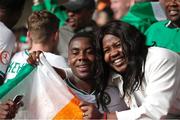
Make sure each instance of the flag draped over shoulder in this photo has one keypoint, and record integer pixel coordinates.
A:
(143, 14)
(46, 95)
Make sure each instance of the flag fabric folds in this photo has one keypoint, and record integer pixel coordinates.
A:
(46, 95)
(144, 14)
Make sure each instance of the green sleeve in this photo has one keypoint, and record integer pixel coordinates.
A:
(38, 7)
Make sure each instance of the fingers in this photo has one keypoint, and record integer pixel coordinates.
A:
(4, 109)
(86, 109)
(34, 57)
(90, 111)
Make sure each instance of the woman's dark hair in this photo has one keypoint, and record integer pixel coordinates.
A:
(98, 69)
(134, 49)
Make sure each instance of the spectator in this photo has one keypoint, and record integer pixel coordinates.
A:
(10, 12)
(121, 7)
(79, 19)
(166, 33)
(43, 32)
(85, 81)
(103, 16)
(148, 78)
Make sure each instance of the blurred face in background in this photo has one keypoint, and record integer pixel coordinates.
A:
(79, 18)
(172, 9)
(120, 7)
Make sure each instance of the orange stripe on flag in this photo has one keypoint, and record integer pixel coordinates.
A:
(70, 111)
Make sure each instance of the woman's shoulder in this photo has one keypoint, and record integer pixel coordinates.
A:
(161, 52)
(158, 55)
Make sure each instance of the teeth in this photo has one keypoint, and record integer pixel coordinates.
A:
(116, 61)
(172, 12)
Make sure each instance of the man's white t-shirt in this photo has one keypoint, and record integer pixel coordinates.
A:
(7, 42)
(20, 59)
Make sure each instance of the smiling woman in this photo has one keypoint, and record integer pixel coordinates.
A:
(147, 77)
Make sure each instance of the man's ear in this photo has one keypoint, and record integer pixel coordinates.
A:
(56, 36)
(28, 35)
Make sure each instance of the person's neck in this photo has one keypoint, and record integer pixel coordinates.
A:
(40, 47)
(85, 85)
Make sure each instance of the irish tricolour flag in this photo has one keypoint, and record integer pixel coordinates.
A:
(45, 93)
(143, 14)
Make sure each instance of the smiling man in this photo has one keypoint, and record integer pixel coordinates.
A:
(87, 82)
(79, 20)
(166, 34)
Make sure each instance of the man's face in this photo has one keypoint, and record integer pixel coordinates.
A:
(120, 7)
(172, 8)
(78, 19)
(81, 58)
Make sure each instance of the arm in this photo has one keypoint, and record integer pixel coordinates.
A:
(162, 80)
(33, 59)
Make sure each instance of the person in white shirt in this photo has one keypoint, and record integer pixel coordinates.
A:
(147, 77)
(43, 32)
(10, 12)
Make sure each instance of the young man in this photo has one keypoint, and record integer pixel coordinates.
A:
(10, 12)
(44, 35)
(85, 78)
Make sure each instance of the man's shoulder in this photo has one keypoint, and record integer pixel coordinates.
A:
(6, 34)
(20, 55)
(159, 24)
(4, 29)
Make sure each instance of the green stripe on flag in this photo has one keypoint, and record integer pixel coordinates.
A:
(143, 10)
(11, 83)
(140, 15)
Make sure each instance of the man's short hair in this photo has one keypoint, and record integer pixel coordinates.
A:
(41, 25)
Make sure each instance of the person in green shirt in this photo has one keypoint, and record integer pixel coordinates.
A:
(139, 14)
(166, 33)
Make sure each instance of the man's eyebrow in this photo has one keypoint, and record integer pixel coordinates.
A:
(74, 48)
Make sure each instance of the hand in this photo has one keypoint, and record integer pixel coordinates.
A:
(14, 109)
(90, 111)
(4, 109)
(9, 109)
(33, 58)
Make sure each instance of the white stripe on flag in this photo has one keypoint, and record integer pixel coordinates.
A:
(158, 11)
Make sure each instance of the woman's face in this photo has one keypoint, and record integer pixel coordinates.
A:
(113, 53)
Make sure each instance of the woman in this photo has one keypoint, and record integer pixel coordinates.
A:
(148, 78)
